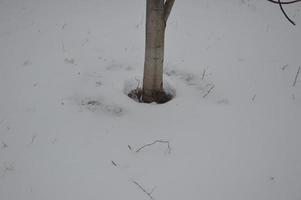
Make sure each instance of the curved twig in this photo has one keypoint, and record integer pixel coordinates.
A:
(291, 21)
(280, 3)
(284, 2)
(157, 141)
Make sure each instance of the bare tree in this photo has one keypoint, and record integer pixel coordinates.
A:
(157, 13)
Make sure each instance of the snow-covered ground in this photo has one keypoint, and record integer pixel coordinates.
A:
(69, 132)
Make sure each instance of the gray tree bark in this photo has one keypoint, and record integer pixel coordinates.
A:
(157, 13)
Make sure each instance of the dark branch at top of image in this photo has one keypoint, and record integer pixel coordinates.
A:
(280, 3)
(284, 2)
(286, 16)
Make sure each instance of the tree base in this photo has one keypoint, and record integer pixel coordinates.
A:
(158, 97)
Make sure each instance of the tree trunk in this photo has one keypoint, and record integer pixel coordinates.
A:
(157, 12)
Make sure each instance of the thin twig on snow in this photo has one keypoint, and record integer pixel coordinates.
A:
(296, 77)
(114, 163)
(149, 194)
(208, 92)
(157, 141)
(204, 73)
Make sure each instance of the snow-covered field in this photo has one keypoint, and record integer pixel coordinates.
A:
(68, 131)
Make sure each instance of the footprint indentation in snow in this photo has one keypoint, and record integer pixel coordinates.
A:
(114, 67)
(98, 105)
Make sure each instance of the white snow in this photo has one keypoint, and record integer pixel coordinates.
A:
(65, 120)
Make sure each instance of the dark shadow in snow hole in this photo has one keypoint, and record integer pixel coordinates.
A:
(162, 96)
(135, 93)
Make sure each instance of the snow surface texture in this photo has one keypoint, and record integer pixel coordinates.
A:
(69, 132)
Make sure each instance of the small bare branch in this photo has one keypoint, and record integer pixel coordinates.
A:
(204, 73)
(149, 194)
(157, 141)
(33, 139)
(208, 92)
(114, 163)
(167, 9)
(296, 77)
